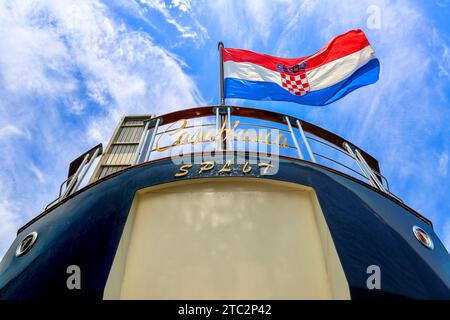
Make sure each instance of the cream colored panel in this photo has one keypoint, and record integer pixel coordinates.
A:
(226, 239)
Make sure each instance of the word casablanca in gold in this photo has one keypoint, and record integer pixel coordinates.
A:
(182, 136)
(225, 168)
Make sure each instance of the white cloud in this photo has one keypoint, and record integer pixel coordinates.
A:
(193, 30)
(68, 72)
(267, 23)
(183, 5)
(60, 59)
(400, 118)
(443, 164)
(9, 131)
(41, 176)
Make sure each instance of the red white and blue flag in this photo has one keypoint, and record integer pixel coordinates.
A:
(346, 63)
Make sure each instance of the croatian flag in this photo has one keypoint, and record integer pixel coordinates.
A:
(346, 63)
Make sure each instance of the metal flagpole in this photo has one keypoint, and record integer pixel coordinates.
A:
(222, 99)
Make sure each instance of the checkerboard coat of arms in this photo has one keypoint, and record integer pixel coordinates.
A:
(294, 79)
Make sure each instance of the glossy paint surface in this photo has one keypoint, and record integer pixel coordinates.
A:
(368, 228)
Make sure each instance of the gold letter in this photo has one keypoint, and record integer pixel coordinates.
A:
(183, 170)
(283, 144)
(239, 135)
(228, 132)
(266, 165)
(267, 138)
(198, 137)
(247, 168)
(206, 166)
(220, 133)
(226, 167)
(205, 136)
(247, 136)
(161, 149)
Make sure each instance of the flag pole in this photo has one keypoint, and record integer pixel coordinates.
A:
(222, 99)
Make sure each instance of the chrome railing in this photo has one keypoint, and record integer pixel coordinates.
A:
(301, 134)
(76, 178)
(226, 128)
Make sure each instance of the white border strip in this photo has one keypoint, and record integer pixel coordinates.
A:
(318, 78)
(338, 70)
(250, 71)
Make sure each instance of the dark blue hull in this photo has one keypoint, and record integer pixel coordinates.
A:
(367, 227)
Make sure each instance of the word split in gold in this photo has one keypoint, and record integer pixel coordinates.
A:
(225, 168)
(182, 136)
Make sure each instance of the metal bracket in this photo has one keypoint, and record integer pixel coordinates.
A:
(299, 151)
(152, 122)
(223, 110)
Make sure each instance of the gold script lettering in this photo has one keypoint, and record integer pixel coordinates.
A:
(265, 165)
(206, 166)
(284, 143)
(183, 136)
(183, 170)
(226, 167)
(247, 168)
(177, 142)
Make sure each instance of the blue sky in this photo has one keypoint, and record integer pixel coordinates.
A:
(70, 69)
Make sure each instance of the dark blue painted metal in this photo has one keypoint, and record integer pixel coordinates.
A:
(367, 228)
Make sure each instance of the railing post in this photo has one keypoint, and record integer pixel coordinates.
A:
(88, 166)
(305, 141)
(288, 121)
(369, 169)
(222, 97)
(218, 141)
(152, 139)
(352, 154)
(230, 133)
(141, 143)
(75, 176)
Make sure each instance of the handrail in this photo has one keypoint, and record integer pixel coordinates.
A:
(266, 115)
(74, 180)
(247, 124)
(299, 131)
(328, 145)
(341, 164)
(307, 131)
